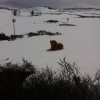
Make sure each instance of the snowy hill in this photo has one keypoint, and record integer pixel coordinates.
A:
(81, 42)
(40, 9)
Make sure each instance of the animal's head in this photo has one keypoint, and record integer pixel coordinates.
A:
(53, 42)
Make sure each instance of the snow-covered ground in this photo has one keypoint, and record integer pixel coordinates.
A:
(81, 42)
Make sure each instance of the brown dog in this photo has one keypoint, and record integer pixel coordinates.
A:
(55, 46)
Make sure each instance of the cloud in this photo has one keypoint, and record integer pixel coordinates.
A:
(51, 3)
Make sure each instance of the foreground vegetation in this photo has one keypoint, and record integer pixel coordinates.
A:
(25, 82)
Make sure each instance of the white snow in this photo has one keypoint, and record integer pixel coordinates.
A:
(81, 42)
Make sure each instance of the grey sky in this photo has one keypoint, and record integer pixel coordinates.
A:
(51, 3)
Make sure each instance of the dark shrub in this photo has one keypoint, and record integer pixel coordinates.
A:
(42, 32)
(14, 12)
(67, 25)
(52, 21)
(65, 84)
(4, 37)
(12, 77)
(13, 37)
(32, 13)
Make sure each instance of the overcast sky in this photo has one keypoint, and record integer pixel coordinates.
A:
(51, 3)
